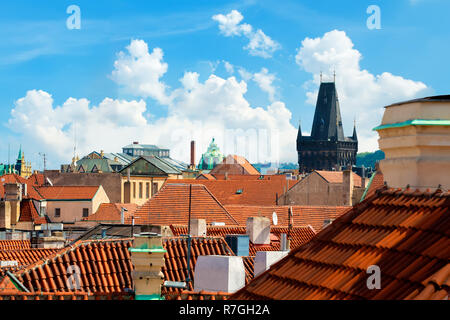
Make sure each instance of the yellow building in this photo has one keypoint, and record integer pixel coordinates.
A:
(143, 178)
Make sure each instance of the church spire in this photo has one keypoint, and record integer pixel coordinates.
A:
(355, 137)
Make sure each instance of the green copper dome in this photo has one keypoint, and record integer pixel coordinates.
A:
(211, 157)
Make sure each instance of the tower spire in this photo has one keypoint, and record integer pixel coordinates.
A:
(355, 137)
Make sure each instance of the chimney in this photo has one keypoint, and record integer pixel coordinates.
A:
(415, 137)
(193, 155)
(347, 182)
(147, 256)
(284, 245)
(264, 259)
(55, 241)
(239, 243)
(258, 230)
(198, 227)
(219, 273)
(122, 215)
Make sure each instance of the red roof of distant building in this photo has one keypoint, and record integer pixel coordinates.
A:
(377, 182)
(29, 213)
(68, 192)
(251, 192)
(338, 177)
(403, 232)
(171, 205)
(314, 216)
(112, 212)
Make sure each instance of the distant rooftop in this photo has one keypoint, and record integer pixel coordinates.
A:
(441, 98)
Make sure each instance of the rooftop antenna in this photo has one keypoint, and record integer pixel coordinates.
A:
(320, 76)
(334, 75)
(75, 140)
(189, 239)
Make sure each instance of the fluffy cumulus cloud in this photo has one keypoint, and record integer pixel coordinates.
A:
(259, 43)
(197, 110)
(265, 80)
(139, 72)
(362, 95)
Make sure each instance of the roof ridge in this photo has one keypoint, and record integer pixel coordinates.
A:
(226, 211)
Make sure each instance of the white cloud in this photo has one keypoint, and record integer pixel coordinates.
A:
(361, 94)
(229, 67)
(259, 43)
(139, 72)
(264, 79)
(196, 110)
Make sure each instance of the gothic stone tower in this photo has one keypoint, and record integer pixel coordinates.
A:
(326, 148)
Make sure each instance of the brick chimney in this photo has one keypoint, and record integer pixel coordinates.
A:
(147, 256)
(258, 229)
(348, 184)
(415, 137)
(193, 155)
(198, 227)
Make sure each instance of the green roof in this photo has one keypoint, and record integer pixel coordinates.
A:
(415, 122)
(211, 157)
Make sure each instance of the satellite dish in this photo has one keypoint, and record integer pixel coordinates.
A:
(274, 218)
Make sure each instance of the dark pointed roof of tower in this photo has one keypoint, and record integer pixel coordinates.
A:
(327, 122)
(354, 136)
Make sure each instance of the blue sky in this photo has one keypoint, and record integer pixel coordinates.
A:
(38, 52)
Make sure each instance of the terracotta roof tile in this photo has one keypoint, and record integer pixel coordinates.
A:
(298, 235)
(105, 265)
(404, 232)
(302, 215)
(234, 164)
(67, 192)
(191, 295)
(111, 212)
(171, 205)
(377, 182)
(338, 177)
(15, 244)
(25, 257)
(28, 213)
(250, 192)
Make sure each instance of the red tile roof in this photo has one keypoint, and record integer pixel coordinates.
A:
(404, 233)
(33, 181)
(111, 212)
(338, 177)
(25, 257)
(105, 265)
(29, 213)
(298, 235)
(68, 192)
(175, 268)
(15, 244)
(171, 205)
(376, 182)
(302, 215)
(235, 164)
(191, 295)
(250, 192)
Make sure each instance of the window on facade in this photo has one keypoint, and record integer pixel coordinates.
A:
(140, 190)
(134, 190)
(147, 190)
(154, 188)
(85, 212)
(57, 212)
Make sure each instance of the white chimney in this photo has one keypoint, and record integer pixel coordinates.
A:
(415, 137)
(258, 230)
(198, 227)
(347, 181)
(264, 259)
(219, 273)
